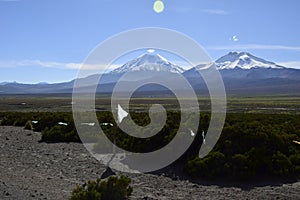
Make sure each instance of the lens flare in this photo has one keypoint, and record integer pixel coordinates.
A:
(158, 6)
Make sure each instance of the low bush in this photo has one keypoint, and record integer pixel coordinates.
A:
(7, 121)
(253, 146)
(114, 188)
(59, 133)
(250, 146)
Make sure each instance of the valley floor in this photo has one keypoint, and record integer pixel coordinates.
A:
(33, 170)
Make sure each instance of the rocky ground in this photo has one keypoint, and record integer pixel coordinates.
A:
(33, 170)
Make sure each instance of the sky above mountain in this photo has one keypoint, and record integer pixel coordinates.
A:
(48, 40)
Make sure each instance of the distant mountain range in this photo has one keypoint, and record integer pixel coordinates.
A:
(242, 73)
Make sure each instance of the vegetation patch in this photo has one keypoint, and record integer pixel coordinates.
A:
(114, 188)
(251, 146)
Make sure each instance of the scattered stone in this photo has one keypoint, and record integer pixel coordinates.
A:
(69, 164)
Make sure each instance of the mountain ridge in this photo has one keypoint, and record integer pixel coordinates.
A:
(244, 60)
(149, 62)
(241, 72)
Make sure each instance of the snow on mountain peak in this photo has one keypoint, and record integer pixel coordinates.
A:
(244, 60)
(233, 60)
(149, 62)
(162, 58)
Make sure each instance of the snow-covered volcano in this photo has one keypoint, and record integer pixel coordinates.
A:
(244, 60)
(151, 63)
(242, 73)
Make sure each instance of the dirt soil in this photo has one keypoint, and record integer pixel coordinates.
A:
(33, 170)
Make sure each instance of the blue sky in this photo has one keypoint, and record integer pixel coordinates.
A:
(46, 40)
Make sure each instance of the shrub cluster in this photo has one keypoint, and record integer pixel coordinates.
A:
(114, 188)
(252, 146)
(47, 124)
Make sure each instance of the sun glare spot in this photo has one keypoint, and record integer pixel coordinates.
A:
(158, 6)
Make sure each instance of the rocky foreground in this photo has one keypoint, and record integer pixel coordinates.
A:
(33, 170)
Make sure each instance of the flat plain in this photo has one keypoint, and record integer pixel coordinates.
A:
(235, 104)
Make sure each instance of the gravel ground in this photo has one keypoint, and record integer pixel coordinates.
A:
(33, 170)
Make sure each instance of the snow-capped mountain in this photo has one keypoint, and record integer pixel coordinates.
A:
(244, 60)
(242, 73)
(149, 62)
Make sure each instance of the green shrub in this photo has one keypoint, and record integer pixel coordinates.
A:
(51, 119)
(240, 167)
(250, 146)
(210, 166)
(255, 146)
(15, 118)
(20, 122)
(7, 121)
(89, 191)
(113, 188)
(59, 133)
(282, 166)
